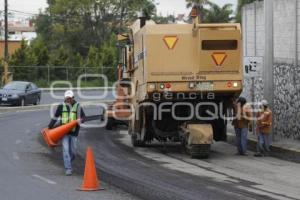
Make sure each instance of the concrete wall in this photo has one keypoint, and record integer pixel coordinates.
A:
(286, 61)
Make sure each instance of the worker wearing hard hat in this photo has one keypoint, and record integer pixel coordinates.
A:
(264, 128)
(68, 111)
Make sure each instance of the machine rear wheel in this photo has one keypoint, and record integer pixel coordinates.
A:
(136, 142)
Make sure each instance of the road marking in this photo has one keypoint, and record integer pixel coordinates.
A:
(44, 179)
(16, 156)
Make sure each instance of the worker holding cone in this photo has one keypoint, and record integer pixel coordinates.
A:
(67, 112)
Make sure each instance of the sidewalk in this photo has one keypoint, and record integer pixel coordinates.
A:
(282, 148)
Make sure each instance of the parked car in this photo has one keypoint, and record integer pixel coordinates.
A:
(20, 93)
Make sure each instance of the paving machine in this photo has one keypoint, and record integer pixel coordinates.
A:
(177, 82)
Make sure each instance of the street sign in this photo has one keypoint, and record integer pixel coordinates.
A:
(253, 66)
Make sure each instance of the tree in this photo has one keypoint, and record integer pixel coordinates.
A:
(164, 20)
(22, 57)
(80, 24)
(200, 5)
(40, 52)
(240, 5)
(149, 9)
(217, 14)
(109, 57)
(80, 33)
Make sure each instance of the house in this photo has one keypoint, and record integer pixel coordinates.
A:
(12, 47)
(19, 30)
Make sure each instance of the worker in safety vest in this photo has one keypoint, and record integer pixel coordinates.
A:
(68, 111)
(264, 128)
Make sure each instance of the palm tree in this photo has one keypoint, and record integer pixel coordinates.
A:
(217, 14)
(149, 9)
(199, 4)
(241, 3)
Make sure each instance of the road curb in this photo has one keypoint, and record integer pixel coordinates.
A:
(278, 151)
(23, 109)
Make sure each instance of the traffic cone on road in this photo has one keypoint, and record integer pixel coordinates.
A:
(53, 136)
(90, 179)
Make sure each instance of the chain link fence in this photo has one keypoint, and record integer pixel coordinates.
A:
(44, 76)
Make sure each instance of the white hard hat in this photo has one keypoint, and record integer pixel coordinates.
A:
(264, 102)
(69, 94)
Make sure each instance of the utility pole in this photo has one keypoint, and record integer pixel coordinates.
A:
(6, 72)
(268, 72)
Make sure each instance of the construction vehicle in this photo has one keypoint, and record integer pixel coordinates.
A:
(181, 80)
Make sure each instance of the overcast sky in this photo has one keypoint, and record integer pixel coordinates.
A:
(164, 6)
(179, 6)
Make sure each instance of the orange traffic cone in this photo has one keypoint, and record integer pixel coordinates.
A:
(53, 136)
(90, 180)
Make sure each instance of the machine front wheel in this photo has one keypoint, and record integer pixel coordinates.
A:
(110, 123)
(199, 150)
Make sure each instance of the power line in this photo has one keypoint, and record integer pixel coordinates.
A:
(26, 13)
(20, 12)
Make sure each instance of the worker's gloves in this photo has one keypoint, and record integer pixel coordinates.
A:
(82, 120)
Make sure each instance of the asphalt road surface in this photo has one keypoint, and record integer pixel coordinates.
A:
(84, 95)
(56, 97)
(29, 170)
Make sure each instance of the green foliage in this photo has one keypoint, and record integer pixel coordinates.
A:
(210, 12)
(80, 24)
(164, 20)
(78, 33)
(217, 14)
(22, 57)
(200, 5)
(240, 5)
(40, 52)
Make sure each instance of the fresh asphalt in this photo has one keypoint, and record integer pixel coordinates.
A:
(30, 170)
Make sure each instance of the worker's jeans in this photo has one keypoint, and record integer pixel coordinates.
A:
(263, 143)
(69, 144)
(241, 140)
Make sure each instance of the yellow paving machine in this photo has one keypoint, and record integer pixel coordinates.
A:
(177, 82)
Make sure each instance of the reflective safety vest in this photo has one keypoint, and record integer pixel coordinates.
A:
(69, 116)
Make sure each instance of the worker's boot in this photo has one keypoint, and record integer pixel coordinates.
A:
(258, 154)
(68, 172)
